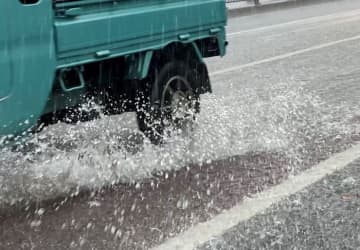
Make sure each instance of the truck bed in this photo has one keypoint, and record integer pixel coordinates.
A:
(86, 29)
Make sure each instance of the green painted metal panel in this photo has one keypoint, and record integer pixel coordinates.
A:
(130, 26)
(27, 61)
(5, 58)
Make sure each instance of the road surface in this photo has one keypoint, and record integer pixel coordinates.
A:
(286, 97)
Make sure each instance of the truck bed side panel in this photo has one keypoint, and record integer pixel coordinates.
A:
(131, 26)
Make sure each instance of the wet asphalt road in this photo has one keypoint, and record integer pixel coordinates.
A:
(324, 216)
(289, 110)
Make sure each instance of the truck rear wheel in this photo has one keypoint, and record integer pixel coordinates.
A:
(171, 102)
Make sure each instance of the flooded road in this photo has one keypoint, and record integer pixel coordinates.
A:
(285, 98)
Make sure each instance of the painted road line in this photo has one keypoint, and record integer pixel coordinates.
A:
(316, 27)
(300, 21)
(203, 232)
(286, 55)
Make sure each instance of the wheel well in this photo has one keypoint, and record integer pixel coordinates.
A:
(176, 51)
(189, 54)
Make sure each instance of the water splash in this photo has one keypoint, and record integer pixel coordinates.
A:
(65, 158)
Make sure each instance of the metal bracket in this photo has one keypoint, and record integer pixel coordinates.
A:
(76, 87)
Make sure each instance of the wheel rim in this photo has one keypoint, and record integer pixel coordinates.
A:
(177, 102)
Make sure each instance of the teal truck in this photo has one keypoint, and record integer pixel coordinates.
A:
(144, 56)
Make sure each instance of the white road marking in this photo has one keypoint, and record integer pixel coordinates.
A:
(217, 226)
(286, 55)
(300, 21)
(316, 26)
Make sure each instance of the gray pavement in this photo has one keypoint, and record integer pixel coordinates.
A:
(324, 216)
(250, 7)
(270, 117)
(233, 4)
(283, 15)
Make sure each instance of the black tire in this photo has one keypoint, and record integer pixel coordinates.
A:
(169, 99)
